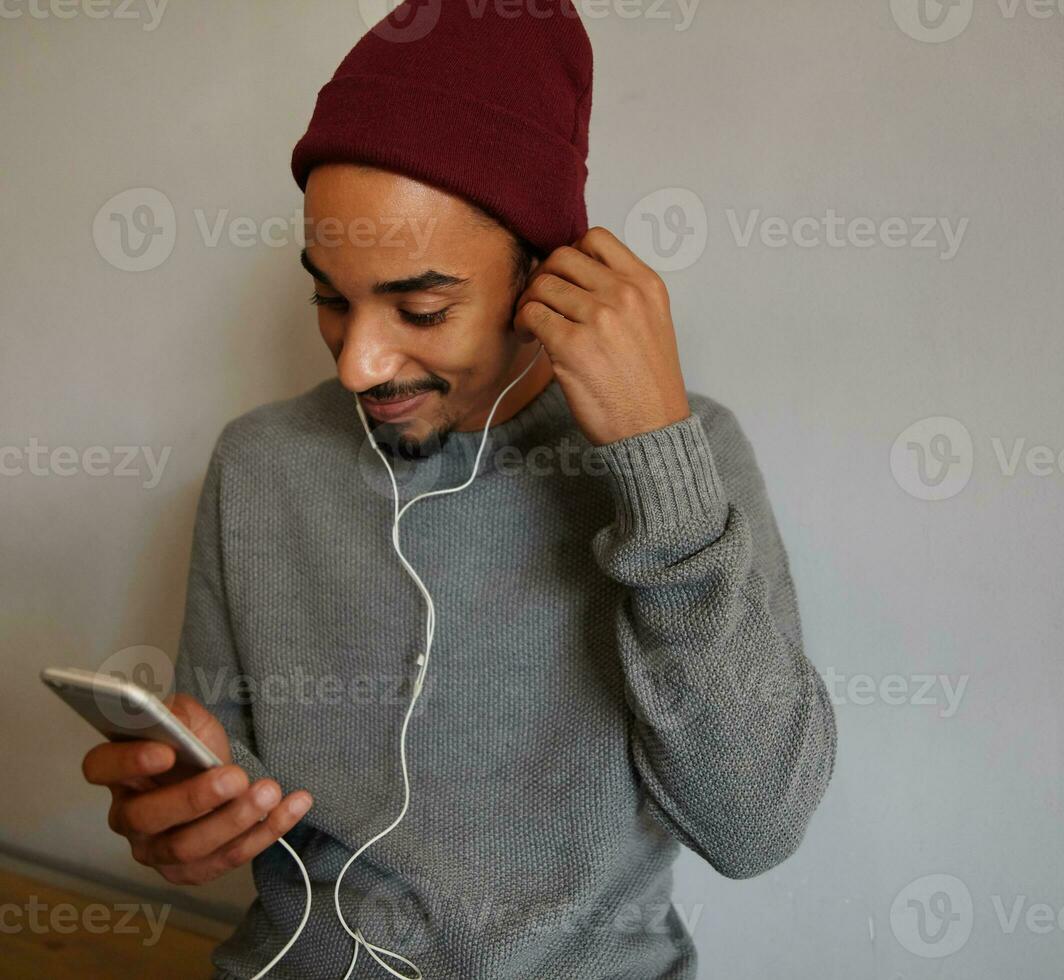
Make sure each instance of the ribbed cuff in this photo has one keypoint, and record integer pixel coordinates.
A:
(665, 478)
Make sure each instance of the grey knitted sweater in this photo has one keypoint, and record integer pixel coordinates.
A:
(617, 669)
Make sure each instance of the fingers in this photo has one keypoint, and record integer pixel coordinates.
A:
(559, 294)
(280, 820)
(549, 328)
(112, 763)
(577, 267)
(160, 809)
(601, 244)
(204, 836)
(237, 852)
(191, 828)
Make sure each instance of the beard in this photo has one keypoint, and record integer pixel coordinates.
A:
(396, 442)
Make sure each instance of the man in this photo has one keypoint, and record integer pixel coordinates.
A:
(617, 667)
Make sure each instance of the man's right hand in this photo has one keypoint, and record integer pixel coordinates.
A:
(190, 825)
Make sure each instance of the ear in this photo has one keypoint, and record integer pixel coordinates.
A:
(523, 335)
(528, 275)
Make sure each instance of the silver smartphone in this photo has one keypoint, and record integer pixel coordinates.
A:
(122, 710)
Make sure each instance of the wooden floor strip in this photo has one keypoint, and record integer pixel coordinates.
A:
(53, 933)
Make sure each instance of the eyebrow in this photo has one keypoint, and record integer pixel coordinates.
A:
(429, 279)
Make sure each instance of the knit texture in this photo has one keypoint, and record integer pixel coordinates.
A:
(489, 100)
(617, 669)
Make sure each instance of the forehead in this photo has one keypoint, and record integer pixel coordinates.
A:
(348, 191)
(373, 223)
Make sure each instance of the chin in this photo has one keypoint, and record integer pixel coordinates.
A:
(411, 438)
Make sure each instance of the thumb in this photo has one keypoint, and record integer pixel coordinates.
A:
(205, 726)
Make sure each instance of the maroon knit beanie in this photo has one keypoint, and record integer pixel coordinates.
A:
(487, 99)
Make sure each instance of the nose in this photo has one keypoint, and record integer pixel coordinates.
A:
(370, 354)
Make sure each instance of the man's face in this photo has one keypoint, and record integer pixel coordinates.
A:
(415, 297)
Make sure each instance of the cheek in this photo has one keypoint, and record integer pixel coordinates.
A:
(485, 331)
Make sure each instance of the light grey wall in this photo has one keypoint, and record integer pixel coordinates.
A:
(844, 362)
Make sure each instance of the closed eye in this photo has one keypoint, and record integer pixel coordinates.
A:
(333, 302)
(418, 319)
(425, 319)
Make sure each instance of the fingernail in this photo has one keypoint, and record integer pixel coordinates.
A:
(266, 795)
(299, 806)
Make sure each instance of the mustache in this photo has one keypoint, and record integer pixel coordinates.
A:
(391, 394)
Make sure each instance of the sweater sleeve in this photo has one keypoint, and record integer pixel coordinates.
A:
(208, 665)
(732, 730)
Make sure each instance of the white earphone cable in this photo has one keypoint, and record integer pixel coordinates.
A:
(423, 661)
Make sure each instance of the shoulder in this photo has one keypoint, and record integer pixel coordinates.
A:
(279, 429)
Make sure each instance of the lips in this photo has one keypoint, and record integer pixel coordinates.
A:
(389, 411)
